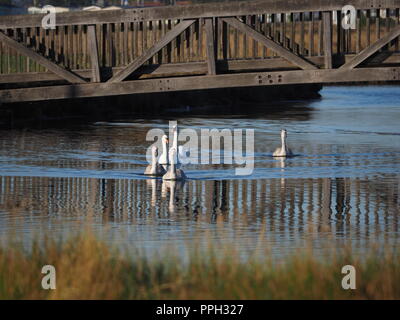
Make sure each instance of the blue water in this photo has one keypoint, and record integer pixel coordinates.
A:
(342, 187)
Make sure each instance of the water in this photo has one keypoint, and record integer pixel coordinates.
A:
(342, 188)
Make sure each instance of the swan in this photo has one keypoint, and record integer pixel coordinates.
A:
(155, 169)
(174, 174)
(284, 151)
(175, 146)
(164, 156)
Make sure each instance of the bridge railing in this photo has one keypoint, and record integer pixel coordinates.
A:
(123, 36)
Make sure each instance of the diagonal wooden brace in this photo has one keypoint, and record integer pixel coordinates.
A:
(51, 66)
(369, 51)
(269, 43)
(134, 65)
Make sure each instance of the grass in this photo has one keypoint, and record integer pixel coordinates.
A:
(89, 269)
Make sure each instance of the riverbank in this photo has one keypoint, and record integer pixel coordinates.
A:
(86, 268)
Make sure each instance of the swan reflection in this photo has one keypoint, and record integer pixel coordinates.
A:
(173, 187)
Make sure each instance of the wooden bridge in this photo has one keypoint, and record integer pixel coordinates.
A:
(197, 47)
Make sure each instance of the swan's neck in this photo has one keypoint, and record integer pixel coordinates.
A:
(165, 147)
(284, 145)
(154, 161)
(175, 145)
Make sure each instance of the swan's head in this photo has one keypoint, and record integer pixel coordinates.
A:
(284, 134)
(175, 128)
(165, 139)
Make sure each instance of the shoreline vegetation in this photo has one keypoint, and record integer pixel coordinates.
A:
(87, 268)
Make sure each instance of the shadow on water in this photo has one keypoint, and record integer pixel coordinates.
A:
(236, 102)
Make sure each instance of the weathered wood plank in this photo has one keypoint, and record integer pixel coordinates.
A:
(210, 46)
(339, 31)
(283, 52)
(67, 75)
(358, 31)
(222, 9)
(369, 51)
(320, 34)
(200, 83)
(327, 22)
(94, 53)
(292, 32)
(151, 51)
(196, 68)
(311, 34)
(368, 27)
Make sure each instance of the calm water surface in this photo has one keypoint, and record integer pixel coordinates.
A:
(343, 188)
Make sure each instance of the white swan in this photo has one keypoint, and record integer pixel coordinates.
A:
(164, 156)
(284, 151)
(174, 174)
(175, 146)
(154, 169)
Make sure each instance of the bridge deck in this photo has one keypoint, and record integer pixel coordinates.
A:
(257, 43)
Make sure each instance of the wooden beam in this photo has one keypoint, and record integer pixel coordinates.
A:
(198, 68)
(369, 51)
(219, 9)
(283, 52)
(33, 77)
(327, 23)
(63, 73)
(94, 53)
(171, 35)
(200, 83)
(210, 47)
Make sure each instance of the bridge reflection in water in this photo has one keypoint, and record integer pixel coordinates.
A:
(264, 211)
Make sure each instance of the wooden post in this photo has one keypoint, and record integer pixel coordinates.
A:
(94, 54)
(311, 34)
(358, 39)
(327, 17)
(301, 34)
(368, 27)
(210, 47)
(320, 35)
(292, 32)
